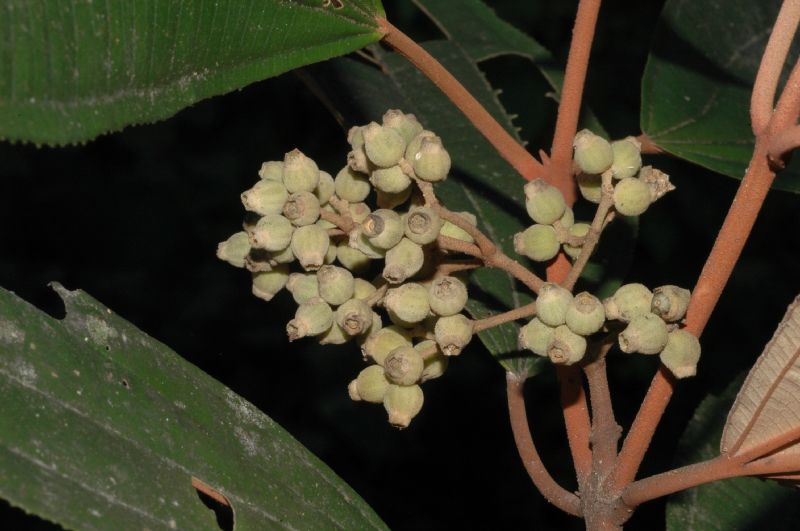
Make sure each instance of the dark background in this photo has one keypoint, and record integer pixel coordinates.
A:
(134, 218)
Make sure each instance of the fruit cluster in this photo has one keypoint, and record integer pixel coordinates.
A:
(300, 217)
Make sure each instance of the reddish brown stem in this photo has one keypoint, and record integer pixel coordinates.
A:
(522, 312)
(552, 491)
(784, 142)
(576, 418)
(505, 144)
(787, 110)
(605, 430)
(569, 108)
(648, 146)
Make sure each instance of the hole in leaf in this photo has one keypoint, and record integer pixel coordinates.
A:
(217, 502)
(125, 384)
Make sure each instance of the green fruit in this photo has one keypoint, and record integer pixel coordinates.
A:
(351, 185)
(310, 245)
(567, 220)
(585, 314)
(354, 317)
(552, 304)
(384, 146)
(266, 284)
(336, 284)
(383, 228)
(645, 334)
(590, 187)
(403, 261)
(681, 353)
(381, 342)
(566, 347)
(405, 124)
(422, 225)
(403, 403)
(272, 171)
(631, 196)
(330, 256)
(414, 145)
(303, 286)
(593, 154)
(352, 259)
(454, 231)
(629, 301)
(391, 180)
(435, 364)
(325, 187)
(272, 233)
(265, 197)
(333, 336)
(355, 136)
(670, 302)
(432, 161)
(358, 211)
(363, 289)
(403, 366)
(370, 386)
(627, 157)
(578, 230)
(407, 304)
(312, 318)
(300, 173)
(545, 203)
(358, 240)
(536, 337)
(235, 249)
(453, 333)
(285, 256)
(301, 208)
(387, 200)
(537, 242)
(447, 296)
(357, 160)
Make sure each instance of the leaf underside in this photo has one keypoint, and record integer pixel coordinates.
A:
(73, 70)
(768, 404)
(104, 428)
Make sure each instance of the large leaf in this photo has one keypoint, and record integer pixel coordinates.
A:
(105, 428)
(731, 504)
(768, 404)
(697, 83)
(72, 70)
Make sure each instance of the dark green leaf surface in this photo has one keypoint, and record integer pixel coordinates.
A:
(104, 428)
(732, 504)
(72, 70)
(697, 83)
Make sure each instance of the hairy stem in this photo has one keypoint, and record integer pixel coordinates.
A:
(529, 310)
(552, 491)
(787, 110)
(576, 418)
(605, 430)
(505, 144)
(784, 142)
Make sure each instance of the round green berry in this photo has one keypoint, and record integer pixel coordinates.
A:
(593, 154)
(537, 242)
(631, 196)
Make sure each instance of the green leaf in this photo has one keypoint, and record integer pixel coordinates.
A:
(731, 504)
(104, 428)
(72, 70)
(697, 83)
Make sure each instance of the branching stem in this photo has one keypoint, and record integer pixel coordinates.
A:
(529, 310)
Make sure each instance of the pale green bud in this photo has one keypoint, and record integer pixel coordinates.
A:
(405, 124)
(390, 180)
(383, 228)
(415, 144)
(312, 318)
(300, 173)
(567, 347)
(381, 342)
(330, 256)
(334, 336)
(266, 284)
(585, 314)
(325, 187)
(336, 284)
(590, 187)
(303, 286)
(552, 304)
(422, 225)
(447, 296)
(407, 304)
(432, 161)
(357, 160)
(403, 403)
(351, 186)
(567, 220)
(403, 366)
(645, 334)
(301, 208)
(387, 200)
(354, 316)
(629, 301)
(265, 197)
(310, 245)
(593, 154)
(454, 231)
(435, 364)
(681, 353)
(358, 240)
(363, 289)
(545, 203)
(358, 211)
(383, 145)
(235, 249)
(355, 136)
(627, 157)
(537, 242)
(579, 230)
(271, 171)
(403, 261)
(352, 259)
(272, 233)
(670, 302)
(453, 333)
(631, 196)
(370, 386)
(286, 256)
(536, 337)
